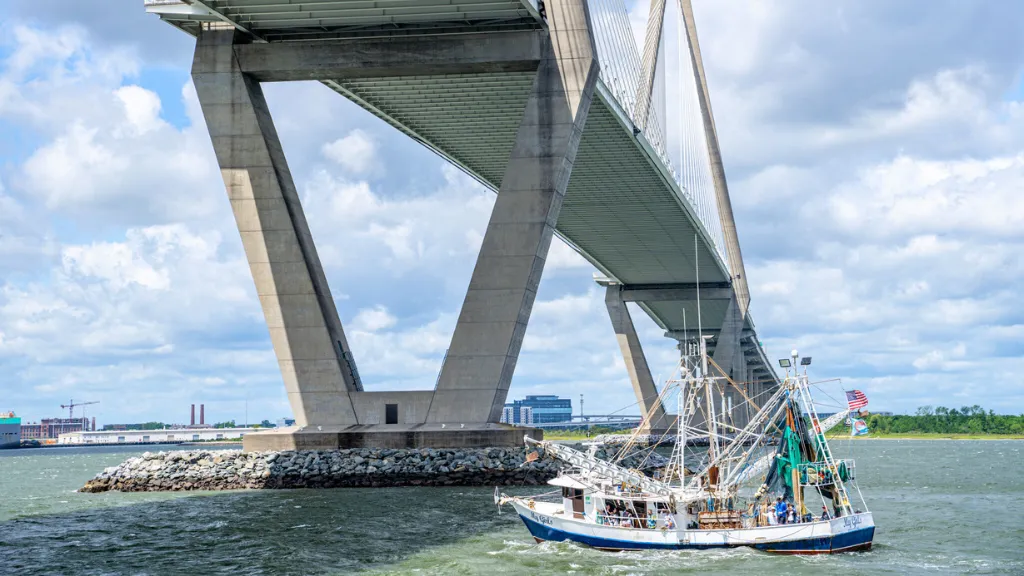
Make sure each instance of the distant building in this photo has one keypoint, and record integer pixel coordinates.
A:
(506, 415)
(541, 410)
(285, 422)
(525, 415)
(54, 427)
(10, 430)
(169, 435)
(140, 426)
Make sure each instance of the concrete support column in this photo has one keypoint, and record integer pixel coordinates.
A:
(474, 380)
(636, 363)
(722, 200)
(748, 389)
(728, 349)
(739, 414)
(315, 360)
(649, 64)
(739, 411)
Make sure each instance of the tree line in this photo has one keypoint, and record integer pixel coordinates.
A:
(942, 420)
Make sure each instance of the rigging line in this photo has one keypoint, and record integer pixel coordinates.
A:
(727, 378)
(772, 418)
(659, 401)
(648, 397)
(763, 415)
(830, 396)
(651, 450)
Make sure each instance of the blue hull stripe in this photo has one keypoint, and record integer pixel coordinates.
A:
(847, 541)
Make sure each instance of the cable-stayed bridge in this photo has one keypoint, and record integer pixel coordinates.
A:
(581, 132)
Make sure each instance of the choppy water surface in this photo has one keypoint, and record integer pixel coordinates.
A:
(941, 507)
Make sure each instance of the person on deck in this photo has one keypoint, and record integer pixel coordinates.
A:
(613, 515)
(824, 513)
(780, 511)
(627, 518)
(652, 519)
(791, 511)
(635, 518)
(667, 521)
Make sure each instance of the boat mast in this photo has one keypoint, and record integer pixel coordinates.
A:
(710, 421)
(681, 430)
(804, 395)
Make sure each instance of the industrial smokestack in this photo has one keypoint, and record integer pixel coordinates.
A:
(202, 413)
(93, 423)
(193, 422)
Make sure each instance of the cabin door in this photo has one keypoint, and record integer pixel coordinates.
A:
(577, 504)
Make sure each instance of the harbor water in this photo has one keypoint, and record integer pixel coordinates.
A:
(941, 507)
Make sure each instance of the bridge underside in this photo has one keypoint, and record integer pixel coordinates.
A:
(620, 212)
(513, 99)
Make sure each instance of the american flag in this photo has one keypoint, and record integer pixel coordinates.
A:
(856, 399)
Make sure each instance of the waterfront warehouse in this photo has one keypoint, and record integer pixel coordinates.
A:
(10, 430)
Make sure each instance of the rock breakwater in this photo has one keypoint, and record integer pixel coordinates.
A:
(233, 470)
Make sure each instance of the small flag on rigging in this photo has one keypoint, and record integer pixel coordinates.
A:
(856, 399)
(859, 428)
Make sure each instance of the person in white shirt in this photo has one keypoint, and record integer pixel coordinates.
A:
(667, 521)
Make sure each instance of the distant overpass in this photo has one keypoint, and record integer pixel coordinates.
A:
(605, 421)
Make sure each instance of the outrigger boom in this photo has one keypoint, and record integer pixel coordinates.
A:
(751, 487)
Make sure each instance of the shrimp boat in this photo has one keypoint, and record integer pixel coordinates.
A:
(740, 492)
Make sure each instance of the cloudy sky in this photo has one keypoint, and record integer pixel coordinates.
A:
(875, 152)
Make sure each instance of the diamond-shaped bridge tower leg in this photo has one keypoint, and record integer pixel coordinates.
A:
(475, 378)
(309, 341)
(331, 408)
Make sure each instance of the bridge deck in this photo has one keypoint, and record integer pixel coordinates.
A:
(279, 20)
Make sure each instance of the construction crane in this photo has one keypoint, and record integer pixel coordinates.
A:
(71, 411)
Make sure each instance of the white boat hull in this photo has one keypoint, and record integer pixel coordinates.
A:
(547, 521)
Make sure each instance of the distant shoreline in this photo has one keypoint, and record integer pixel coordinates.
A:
(236, 442)
(870, 436)
(922, 436)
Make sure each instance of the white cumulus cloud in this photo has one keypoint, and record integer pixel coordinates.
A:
(356, 152)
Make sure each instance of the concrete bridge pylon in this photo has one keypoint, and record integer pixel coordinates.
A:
(331, 406)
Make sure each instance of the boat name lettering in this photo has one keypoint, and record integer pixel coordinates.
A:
(851, 521)
(541, 519)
